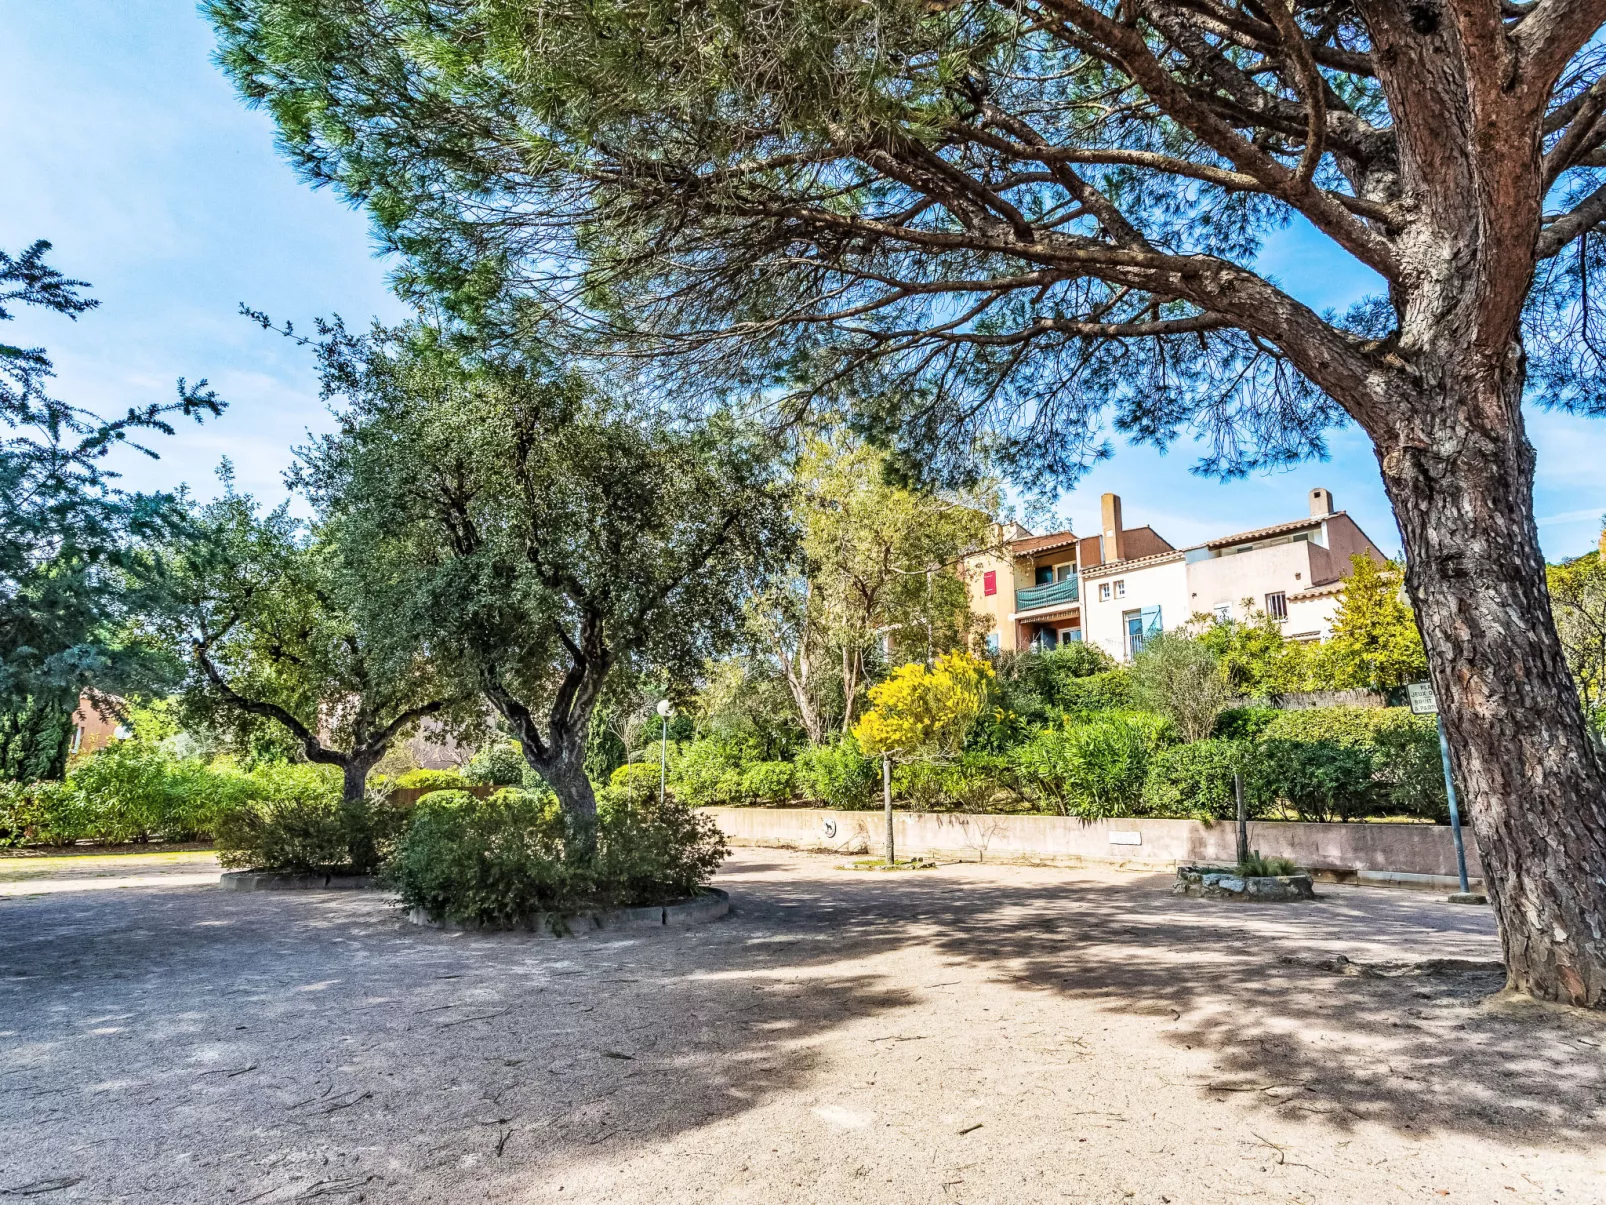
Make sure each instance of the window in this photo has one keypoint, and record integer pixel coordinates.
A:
(992, 643)
(1140, 627)
(1061, 572)
(1104, 591)
(1120, 589)
(1277, 606)
(1224, 613)
(1068, 635)
(989, 582)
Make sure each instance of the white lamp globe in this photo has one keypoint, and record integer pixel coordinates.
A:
(664, 708)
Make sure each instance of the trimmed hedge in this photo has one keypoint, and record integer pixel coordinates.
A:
(1196, 780)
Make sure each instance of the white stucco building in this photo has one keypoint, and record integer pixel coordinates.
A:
(1116, 588)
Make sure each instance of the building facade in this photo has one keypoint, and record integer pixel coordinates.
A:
(1125, 584)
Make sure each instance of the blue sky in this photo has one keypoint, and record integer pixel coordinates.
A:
(124, 146)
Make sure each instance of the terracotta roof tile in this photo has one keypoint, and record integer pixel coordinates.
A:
(1046, 543)
(1275, 529)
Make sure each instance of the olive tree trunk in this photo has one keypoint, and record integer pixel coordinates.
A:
(1460, 476)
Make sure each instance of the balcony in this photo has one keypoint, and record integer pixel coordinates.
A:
(1053, 594)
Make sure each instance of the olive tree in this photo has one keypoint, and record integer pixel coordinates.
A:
(1026, 218)
(557, 535)
(297, 629)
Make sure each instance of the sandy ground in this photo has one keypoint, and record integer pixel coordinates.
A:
(970, 1034)
(32, 874)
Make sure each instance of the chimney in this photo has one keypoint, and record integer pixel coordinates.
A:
(1321, 503)
(1110, 528)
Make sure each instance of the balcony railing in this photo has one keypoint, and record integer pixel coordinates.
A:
(1052, 594)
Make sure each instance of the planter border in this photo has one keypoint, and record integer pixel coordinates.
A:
(1225, 883)
(270, 880)
(711, 905)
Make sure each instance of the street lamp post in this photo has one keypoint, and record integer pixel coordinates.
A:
(663, 750)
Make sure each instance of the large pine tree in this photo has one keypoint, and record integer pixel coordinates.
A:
(1026, 218)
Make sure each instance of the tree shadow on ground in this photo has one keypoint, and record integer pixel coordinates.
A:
(268, 1036)
(317, 1044)
(1296, 1027)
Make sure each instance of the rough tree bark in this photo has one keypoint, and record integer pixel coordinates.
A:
(1462, 492)
(557, 750)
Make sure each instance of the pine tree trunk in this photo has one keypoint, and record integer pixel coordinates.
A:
(1459, 470)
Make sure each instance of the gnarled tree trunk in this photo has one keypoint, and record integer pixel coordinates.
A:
(1460, 476)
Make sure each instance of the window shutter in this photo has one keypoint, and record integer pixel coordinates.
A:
(1151, 621)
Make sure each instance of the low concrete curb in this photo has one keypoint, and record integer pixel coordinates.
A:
(1221, 883)
(709, 906)
(263, 880)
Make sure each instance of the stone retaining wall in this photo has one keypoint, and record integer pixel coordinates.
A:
(1414, 855)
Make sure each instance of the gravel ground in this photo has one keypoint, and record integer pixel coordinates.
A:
(31, 874)
(969, 1034)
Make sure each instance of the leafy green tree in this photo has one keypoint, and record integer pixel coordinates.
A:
(299, 629)
(553, 536)
(880, 560)
(1181, 678)
(1255, 658)
(34, 741)
(66, 530)
(1003, 223)
(1375, 642)
(1578, 597)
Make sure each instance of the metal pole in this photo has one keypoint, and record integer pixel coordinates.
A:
(886, 794)
(1455, 812)
(1243, 817)
(663, 763)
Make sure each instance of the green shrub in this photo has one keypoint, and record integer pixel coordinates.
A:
(1408, 769)
(1244, 723)
(434, 780)
(1196, 780)
(1093, 769)
(838, 776)
(767, 783)
(704, 773)
(1407, 774)
(1107, 691)
(289, 818)
(648, 854)
(40, 813)
(134, 790)
(968, 785)
(499, 765)
(1317, 780)
(506, 859)
(636, 782)
(1031, 690)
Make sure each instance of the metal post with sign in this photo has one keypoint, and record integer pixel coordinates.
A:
(1424, 702)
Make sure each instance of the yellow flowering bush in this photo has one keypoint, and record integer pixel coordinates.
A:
(921, 711)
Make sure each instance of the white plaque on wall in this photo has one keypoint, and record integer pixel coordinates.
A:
(1120, 838)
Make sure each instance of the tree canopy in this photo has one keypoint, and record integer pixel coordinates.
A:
(293, 627)
(66, 529)
(555, 534)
